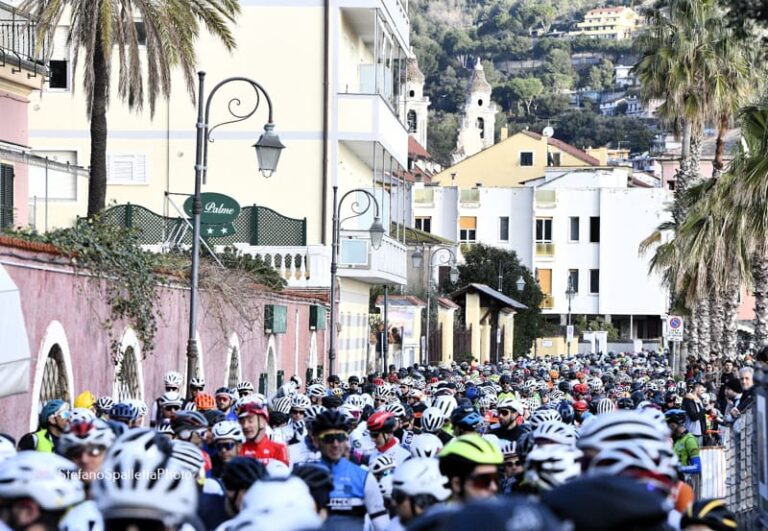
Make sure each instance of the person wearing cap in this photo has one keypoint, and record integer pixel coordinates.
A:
(354, 386)
(254, 419)
(53, 421)
(685, 444)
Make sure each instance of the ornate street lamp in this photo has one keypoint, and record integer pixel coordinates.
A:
(417, 259)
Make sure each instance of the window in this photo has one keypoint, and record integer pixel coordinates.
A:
(544, 230)
(411, 121)
(504, 229)
(594, 281)
(573, 233)
(573, 279)
(424, 223)
(58, 65)
(6, 196)
(467, 229)
(594, 230)
(62, 182)
(412, 93)
(481, 126)
(141, 32)
(526, 158)
(59, 70)
(127, 169)
(553, 159)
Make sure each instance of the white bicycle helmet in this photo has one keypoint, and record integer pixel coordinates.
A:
(446, 404)
(426, 445)
(173, 379)
(396, 408)
(7, 448)
(385, 487)
(356, 401)
(432, 420)
(244, 387)
(188, 456)
(282, 404)
(540, 416)
(141, 407)
(511, 403)
(278, 497)
(80, 414)
(317, 391)
(171, 398)
(104, 404)
(141, 480)
(382, 392)
(605, 405)
(554, 432)
(300, 402)
(552, 465)
(82, 517)
(198, 383)
(418, 476)
(613, 430)
(81, 433)
(637, 459)
(49, 479)
(312, 411)
(226, 430)
(381, 464)
(507, 448)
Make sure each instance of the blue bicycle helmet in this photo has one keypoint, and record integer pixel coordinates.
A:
(123, 412)
(567, 414)
(50, 408)
(465, 418)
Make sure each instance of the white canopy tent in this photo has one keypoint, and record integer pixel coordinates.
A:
(14, 344)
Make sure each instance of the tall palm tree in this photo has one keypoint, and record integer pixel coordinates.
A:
(97, 27)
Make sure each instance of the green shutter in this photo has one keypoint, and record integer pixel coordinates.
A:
(320, 372)
(6, 196)
(275, 319)
(280, 378)
(307, 377)
(263, 383)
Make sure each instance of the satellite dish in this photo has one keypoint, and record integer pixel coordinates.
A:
(548, 132)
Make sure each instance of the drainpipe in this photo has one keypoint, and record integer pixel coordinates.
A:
(326, 111)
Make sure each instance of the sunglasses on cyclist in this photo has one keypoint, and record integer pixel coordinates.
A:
(505, 412)
(93, 451)
(399, 496)
(172, 408)
(297, 412)
(483, 481)
(226, 445)
(330, 438)
(185, 435)
(512, 463)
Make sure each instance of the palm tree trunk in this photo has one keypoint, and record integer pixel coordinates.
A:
(716, 322)
(730, 326)
(718, 164)
(97, 184)
(693, 334)
(703, 324)
(760, 278)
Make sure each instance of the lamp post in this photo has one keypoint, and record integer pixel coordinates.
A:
(569, 293)
(268, 148)
(417, 259)
(376, 232)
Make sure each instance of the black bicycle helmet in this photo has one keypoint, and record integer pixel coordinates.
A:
(626, 403)
(329, 420)
(712, 513)
(188, 420)
(239, 473)
(466, 417)
(214, 416)
(567, 414)
(318, 479)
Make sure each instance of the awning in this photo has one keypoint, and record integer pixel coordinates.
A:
(14, 345)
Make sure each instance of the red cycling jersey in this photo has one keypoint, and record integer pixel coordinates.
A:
(265, 450)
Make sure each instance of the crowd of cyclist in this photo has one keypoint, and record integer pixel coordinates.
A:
(580, 443)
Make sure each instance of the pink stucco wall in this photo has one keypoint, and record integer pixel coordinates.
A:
(50, 292)
(669, 168)
(14, 128)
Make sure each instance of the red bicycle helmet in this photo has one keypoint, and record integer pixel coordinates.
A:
(581, 388)
(382, 421)
(580, 406)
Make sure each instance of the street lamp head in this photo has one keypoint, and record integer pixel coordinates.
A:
(377, 232)
(417, 258)
(454, 274)
(268, 148)
(520, 283)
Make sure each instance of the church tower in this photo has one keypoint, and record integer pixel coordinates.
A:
(478, 118)
(416, 103)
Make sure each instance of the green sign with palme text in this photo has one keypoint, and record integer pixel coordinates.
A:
(218, 209)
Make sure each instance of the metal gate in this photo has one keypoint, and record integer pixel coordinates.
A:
(436, 346)
(462, 342)
(127, 377)
(54, 383)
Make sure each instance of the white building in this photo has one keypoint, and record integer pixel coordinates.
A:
(580, 224)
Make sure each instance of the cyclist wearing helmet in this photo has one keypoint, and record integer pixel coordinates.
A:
(196, 386)
(355, 492)
(685, 444)
(53, 421)
(85, 400)
(465, 419)
(320, 484)
(381, 427)
(254, 419)
(172, 382)
(168, 405)
(513, 471)
(244, 388)
(509, 410)
(225, 402)
(471, 465)
(103, 406)
(416, 485)
(708, 515)
(228, 439)
(85, 444)
(36, 489)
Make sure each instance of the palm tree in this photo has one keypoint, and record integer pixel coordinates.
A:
(98, 26)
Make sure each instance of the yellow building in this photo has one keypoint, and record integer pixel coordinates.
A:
(614, 23)
(512, 161)
(335, 73)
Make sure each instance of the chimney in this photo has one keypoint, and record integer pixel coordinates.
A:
(504, 133)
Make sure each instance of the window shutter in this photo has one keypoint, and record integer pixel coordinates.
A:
(126, 169)
(6, 196)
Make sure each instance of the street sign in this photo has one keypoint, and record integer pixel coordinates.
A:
(569, 333)
(675, 328)
(218, 209)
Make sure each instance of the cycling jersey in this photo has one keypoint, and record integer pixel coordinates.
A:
(393, 449)
(265, 450)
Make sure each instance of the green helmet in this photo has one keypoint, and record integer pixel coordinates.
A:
(474, 449)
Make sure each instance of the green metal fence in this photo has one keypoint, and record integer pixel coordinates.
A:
(256, 225)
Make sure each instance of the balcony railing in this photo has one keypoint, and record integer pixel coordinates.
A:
(424, 196)
(301, 267)
(548, 302)
(357, 259)
(545, 250)
(17, 37)
(469, 197)
(545, 198)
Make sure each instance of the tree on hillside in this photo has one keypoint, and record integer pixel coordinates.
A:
(97, 27)
(481, 265)
(441, 135)
(525, 91)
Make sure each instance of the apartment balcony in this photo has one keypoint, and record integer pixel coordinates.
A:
(19, 62)
(545, 198)
(367, 118)
(548, 302)
(358, 260)
(393, 12)
(424, 197)
(469, 197)
(545, 250)
(306, 266)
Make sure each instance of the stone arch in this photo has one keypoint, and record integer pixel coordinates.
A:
(270, 366)
(128, 380)
(54, 368)
(234, 368)
(412, 121)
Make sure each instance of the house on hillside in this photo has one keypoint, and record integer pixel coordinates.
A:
(613, 23)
